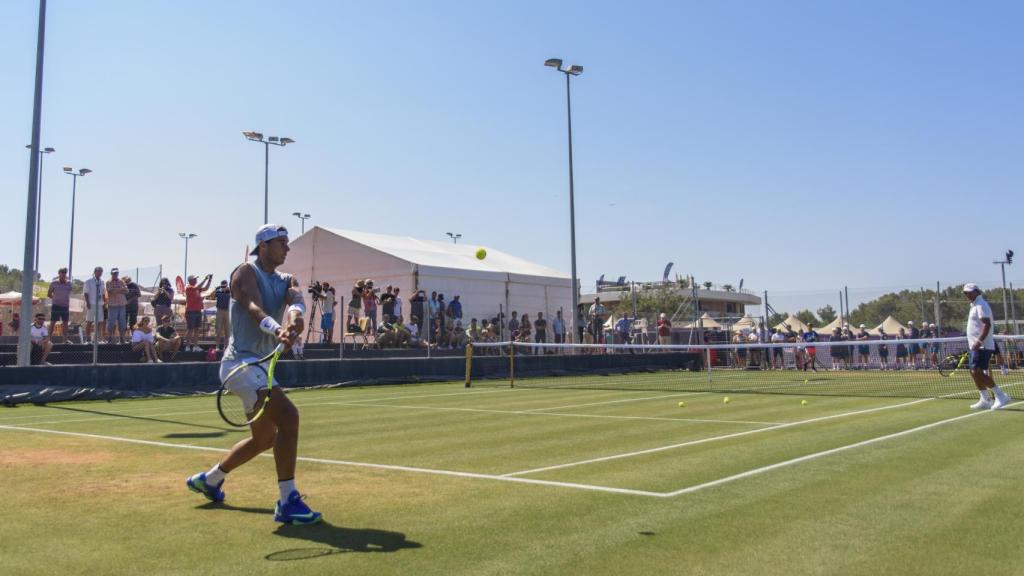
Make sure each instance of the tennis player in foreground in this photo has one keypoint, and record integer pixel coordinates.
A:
(982, 346)
(259, 298)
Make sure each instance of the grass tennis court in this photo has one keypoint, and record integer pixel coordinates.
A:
(440, 479)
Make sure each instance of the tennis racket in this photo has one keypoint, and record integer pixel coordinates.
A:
(231, 406)
(950, 364)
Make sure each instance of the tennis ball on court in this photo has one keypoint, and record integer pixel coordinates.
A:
(681, 404)
(481, 254)
(725, 400)
(803, 402)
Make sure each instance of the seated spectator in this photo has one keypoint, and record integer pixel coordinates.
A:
(387, 337)
(167, 338)
(457, 337)
(412, 328)
(473, 332)
(41, 344)
(144, 340)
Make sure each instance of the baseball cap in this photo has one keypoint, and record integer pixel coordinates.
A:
(266, 233)
(114, 270)
(971, 287)
(862, 326)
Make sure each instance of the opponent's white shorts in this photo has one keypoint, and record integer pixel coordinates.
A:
(248, 383)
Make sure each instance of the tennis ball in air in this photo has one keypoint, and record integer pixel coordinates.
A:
(681, 404)
(481, 254)
(803, 402)
(725, 400)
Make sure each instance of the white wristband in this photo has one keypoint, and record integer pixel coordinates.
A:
(298, 306)
(269, 325)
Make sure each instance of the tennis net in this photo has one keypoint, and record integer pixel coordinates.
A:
(901, 368)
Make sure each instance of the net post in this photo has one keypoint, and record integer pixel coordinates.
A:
(511, 364)
(469, 363)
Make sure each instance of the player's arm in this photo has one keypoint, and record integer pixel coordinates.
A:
(246, 292)
(49, 291)
(986, 327)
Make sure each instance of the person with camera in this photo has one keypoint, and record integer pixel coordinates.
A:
(194, 310)
(370, 301)
(355, 302)
(327, 304)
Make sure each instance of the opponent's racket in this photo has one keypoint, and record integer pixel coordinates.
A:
(950, 364)
(231, 406)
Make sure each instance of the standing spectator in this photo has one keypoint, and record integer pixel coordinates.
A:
(664, 329)
(622, 328)
(597, 315)
(513, 326)
(741, 350)
(525, 328)
(442, 313)
(915, 348)
(15, 323)
(883, 349)
(167, 338)
(540, 328)
(95, 298)
(370, 301)
(416, 310)
(558, 328)
(778, 356)
(355, 302)
(398, 305)
(432, 307)
(59, 294)
(194, 310)
(901, 350)
(810, 337)
(222, 295)
(327, 305)
(143, 339)
(863, 349)
(455, 308)
(387, 301)
(131, 308)
(117, 304)
(41, 345)
(838, 352)
(162, 300)
(936, 346)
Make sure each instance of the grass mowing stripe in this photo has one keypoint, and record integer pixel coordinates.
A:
(395, 467)
(714, 438)
(618, 401)
(533, 413)
(808, 457)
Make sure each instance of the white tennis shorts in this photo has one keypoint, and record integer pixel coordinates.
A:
(246, 384)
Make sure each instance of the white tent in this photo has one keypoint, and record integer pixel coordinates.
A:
(891, 325)
(498, 282)
(705, 321)
(745, 324)
(792, 322)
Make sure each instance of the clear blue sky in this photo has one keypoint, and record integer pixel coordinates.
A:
(799, 145)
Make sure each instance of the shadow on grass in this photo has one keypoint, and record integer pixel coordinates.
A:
(195, 434)
(338, 540)
(230, 508)
(144, 418)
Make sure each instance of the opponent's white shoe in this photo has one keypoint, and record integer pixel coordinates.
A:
(1001, 401)
(981, 405)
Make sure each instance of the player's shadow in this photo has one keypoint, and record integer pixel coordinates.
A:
(143, 418)
(229, 507)
(338, 540)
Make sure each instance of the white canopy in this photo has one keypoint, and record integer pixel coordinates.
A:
(705, 321)
(744, 324)
(891, 326)
(791, 322)
(498, 282)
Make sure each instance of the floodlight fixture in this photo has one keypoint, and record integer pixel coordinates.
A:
(553, 62)
(575, 70)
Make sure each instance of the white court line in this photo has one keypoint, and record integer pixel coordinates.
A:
(814, 456)
(394, 467)
(618, 401)
(714, 438)
(531, 413)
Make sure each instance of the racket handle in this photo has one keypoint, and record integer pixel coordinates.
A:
(280, 347)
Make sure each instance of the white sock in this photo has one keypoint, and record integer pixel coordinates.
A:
(998, 391)
(215, 476)
(286, 487)
(984, 395)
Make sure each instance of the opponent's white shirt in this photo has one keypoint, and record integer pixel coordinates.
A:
(979, 310)
(39, 333)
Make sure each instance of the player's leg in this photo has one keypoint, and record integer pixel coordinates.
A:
(290, 508)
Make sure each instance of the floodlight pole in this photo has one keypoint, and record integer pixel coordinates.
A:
(39, 196)
(302, 217)
(74, 186)
(29, 274)
(186, 236)
(571, 71)
(276, 141)
(454, 237)
(1006, 312)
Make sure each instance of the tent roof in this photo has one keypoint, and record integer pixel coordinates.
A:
(827, 328)
(706, 320)
(429, 253)
(795, 323)
(891, 325)
(745, 323)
